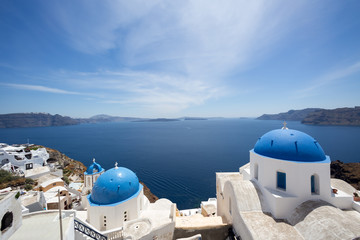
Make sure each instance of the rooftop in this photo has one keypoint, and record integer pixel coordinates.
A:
(116, 185)
(51, 181)
(311, 220)
(291, 145)
(33, 226)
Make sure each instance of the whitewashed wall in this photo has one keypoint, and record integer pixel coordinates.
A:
(115, 214)
(13, 205)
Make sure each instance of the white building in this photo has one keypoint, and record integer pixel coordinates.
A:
(21, 157)
(116, 197)
(10, 214)
(288, 170)
(91, 175)
(290, 167)
(117, 208)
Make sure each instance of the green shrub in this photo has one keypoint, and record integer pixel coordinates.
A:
(17, 195)
(66, 179)
(28, 187)
(29, 181)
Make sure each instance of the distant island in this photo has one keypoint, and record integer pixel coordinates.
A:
(313, 116)
(158, 120)
(106, 118)
(318, 116)
(291, 115)
(339, 116)
(18, 120)
(170, 119)
(194, 118)
(23, 120)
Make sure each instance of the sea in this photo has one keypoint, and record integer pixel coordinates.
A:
(178, 159)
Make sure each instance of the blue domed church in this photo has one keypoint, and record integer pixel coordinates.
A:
(116, 197)
(289, 167)
(116, 208)
(288, 176)
(91, 174)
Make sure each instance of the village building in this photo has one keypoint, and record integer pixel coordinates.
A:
(20, 158)
(285, 191)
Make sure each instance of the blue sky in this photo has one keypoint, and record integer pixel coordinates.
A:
(178, 58)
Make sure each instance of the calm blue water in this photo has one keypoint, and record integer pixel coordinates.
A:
(178, 160)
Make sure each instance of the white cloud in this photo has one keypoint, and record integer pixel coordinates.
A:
(193, 37)
(177, 53)
(146, 90)
(94, 27)
(40, 88)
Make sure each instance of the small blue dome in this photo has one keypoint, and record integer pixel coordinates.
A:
(94, 168)
(115, 185)
(288, 144)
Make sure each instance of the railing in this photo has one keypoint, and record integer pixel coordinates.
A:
(113, 234)
(78, 226)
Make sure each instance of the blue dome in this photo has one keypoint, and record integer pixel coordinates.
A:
(288, 144)
(115, 185)
(94, 168)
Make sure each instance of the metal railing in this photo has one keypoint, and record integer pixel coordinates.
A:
(78, 226)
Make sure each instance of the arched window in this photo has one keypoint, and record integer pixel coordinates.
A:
(315, 184)
(6, 221)
(230, 206)
(281, 180)
(256, 171)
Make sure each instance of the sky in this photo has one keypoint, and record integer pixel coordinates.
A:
(178, 58)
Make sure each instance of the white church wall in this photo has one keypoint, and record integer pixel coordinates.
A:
(298, 175)
(222, 208)
(341, 200)
(298, 182)
(114, 216)
(90, 180)
(356, 206)
(163, 232)
(227, 207)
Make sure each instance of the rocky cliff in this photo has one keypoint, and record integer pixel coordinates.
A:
(69, 165)
(349, 172)
(318, 116)
(291, 115)
(338, 116)
(19, 120)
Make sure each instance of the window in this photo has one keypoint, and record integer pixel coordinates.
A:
(28, 166)
(314, 184)
(4, 161)
(230, 206)
(125, 216)
(6, 221)
(256, 171)
(281, 180)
